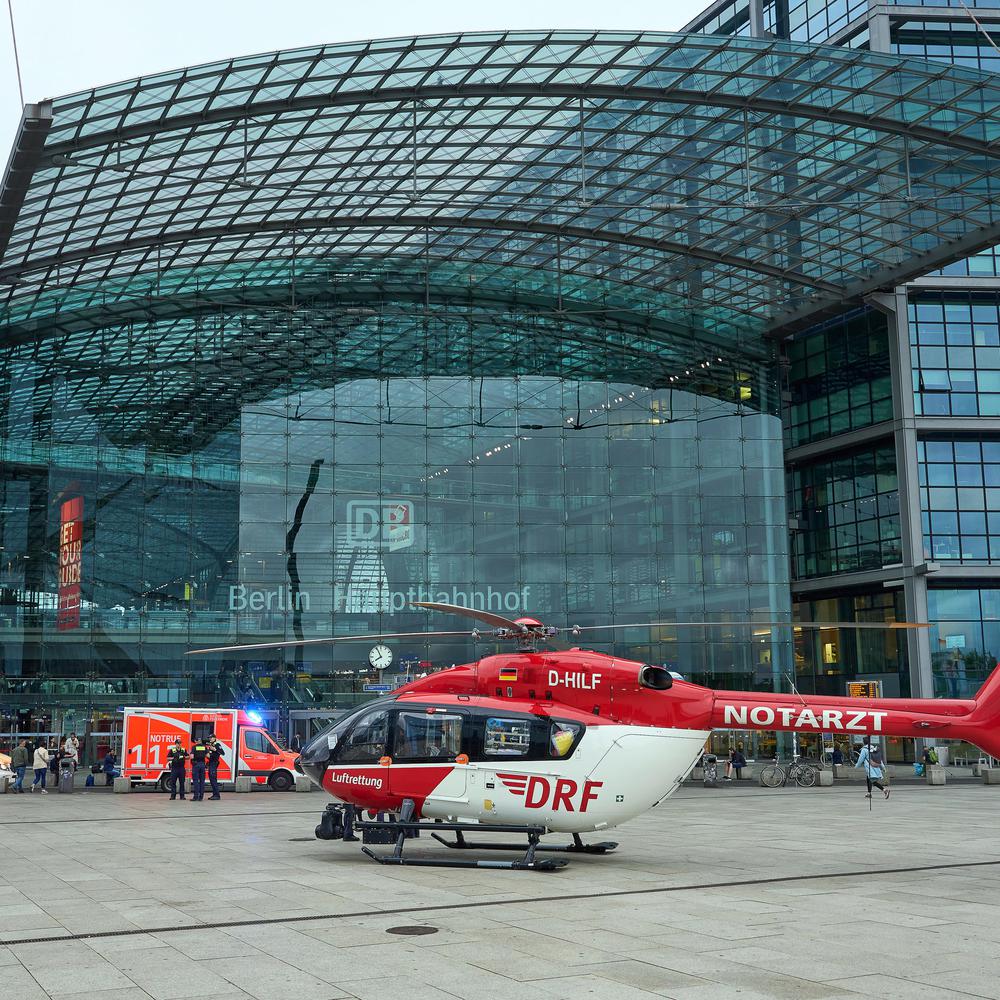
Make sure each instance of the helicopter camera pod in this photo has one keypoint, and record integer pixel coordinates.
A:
(655, 678)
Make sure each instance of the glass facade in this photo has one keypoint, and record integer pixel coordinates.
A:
(955, 350)
(965, 639)
(509, 343)
(826, 659)
(960, 499)
(838, 378)
(812, 21)
(846, 510)
(318, 511)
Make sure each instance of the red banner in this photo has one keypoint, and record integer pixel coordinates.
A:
(70, 564)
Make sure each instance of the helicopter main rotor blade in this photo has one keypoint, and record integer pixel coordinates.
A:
(753, 624)
(326, 641)
(497, 621)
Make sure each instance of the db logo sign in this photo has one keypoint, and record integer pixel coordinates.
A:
(382, 523)
(560, 793)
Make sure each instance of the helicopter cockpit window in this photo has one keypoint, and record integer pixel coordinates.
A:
(427, 736)
(507, 737)
(563, 737)
(366, 742)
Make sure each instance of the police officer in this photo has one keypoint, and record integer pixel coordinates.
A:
(176, 758)
(214, 756)
(199, 760)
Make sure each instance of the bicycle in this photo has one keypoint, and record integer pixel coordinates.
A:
(777, 775)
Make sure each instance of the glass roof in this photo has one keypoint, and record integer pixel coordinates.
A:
(685, 194)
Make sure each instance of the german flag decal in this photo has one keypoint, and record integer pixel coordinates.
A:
(508, 673)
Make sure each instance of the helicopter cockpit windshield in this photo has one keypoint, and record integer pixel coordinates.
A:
(320, 750)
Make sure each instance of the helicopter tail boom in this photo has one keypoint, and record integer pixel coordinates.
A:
(974, 720)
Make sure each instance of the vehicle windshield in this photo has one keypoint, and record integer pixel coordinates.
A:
(320, 749)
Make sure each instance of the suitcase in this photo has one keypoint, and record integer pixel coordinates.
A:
(66, 780)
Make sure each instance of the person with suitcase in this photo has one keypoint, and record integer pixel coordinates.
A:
(199, 763)
(177, 757)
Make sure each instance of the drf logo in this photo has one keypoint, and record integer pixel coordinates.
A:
(383, 522)
(560, 793)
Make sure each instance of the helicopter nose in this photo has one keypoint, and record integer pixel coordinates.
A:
(313, 771)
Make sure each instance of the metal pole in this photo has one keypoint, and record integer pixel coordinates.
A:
(746, 155)
(17, 58)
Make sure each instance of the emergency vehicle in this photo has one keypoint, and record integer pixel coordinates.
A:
(248, 748)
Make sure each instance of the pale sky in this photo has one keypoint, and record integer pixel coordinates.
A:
(70, 45)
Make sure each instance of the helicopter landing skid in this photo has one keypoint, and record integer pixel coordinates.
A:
(405, 827)
(577, 847)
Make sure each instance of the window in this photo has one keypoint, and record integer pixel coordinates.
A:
(838, 378)
(847, 509)
(254, 741)
(507, 737)
(427, 736)
(955, 348)
(201, 730)
(366, 742)
(960, 499)
(563, 738)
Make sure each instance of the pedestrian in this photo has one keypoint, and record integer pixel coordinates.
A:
(176, 758)
(215, 754)
(41, 767)
(72, 750)
(55, 755)
(837, 757)
(199, 761)
(109, 767)
(19, 762)
(737, 761)
(930, 756)
(870, 759)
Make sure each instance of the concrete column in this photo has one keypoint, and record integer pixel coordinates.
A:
(878, 27)
(905, 436)
(757, 18)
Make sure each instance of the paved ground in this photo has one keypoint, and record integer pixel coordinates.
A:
(621, 927)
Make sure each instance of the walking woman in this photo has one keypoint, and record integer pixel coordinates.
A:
(870, 759)
(41, 768)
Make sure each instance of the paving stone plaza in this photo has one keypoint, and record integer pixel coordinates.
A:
(733, 893)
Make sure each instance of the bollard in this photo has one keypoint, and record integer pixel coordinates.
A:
(122, 785)
(303, 784)
(825, 778)
(991, 775)
(5, 785)
(936, 775)
(244, 783)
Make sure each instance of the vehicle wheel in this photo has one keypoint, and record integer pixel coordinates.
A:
(280, 781)
(771, 776)
(805, 777)
(164, 783)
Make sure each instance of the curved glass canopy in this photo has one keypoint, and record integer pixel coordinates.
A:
(649, 202)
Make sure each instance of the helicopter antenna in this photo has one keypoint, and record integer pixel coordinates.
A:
(795, 690)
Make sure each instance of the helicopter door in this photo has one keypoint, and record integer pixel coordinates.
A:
(354, 772)
(425, 745)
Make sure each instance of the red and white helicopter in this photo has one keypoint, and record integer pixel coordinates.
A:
(536, 742)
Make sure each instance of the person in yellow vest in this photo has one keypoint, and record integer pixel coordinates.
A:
(199, 763)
